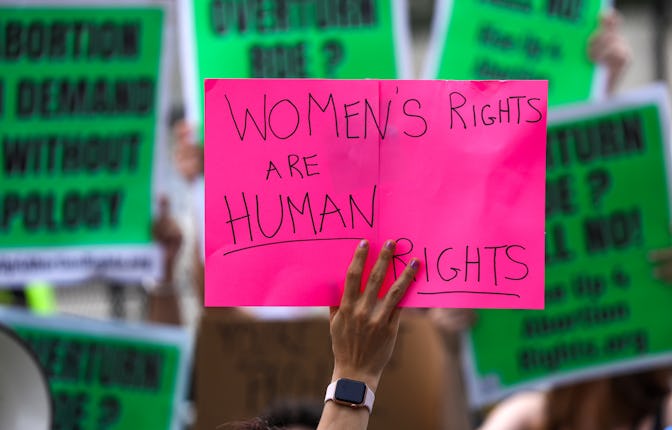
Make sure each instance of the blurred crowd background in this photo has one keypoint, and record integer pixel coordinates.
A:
(646, 26)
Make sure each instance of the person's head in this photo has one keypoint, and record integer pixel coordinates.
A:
(284, 415)
(614, 401)
(293, 415)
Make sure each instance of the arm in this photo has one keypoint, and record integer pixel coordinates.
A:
(452, 323)
(363, 332)
(188, 155)
(609, 48)
(522, 411)
(162, 301)
(662, 260)
(456, 408)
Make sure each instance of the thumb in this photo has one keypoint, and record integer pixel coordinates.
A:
(164, 207)
(611, 21)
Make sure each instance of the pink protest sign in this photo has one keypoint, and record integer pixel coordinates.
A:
(299, 171)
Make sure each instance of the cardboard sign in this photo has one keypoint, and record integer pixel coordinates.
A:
(325, 39)
(245, 366)
(81, 96)
(299, 171)
(607, 207)
(520, 39)
(105, 375)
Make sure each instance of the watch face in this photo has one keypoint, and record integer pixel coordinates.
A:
(350, 391)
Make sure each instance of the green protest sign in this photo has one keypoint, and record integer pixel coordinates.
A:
(80, 102)
(352, 39)
(108, 376)
(517, 39)
(607, 207)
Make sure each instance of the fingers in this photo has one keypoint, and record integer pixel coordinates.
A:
(607, 45)
(353, 282)
(464, 320)
(470, 317)
(663, 273)
(453, 321)
(660, 255)
(663, 259)
(353, 279)
(182, 132)
(164, 206)
(608, 48)
(162, 218)
(597, 47)
(611, 21)
(379, 271)
(398, 289)
(165, 230)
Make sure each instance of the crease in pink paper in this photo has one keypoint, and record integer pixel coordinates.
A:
(299, 171)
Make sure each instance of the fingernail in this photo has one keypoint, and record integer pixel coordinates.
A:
(389, 245)
(364, 243)
(415, 264)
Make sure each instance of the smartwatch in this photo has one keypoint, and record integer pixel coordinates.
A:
(348, 392)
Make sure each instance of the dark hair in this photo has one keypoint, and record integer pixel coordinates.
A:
(630, 398)
(298, 412)
(280, 415)
(253, 424)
